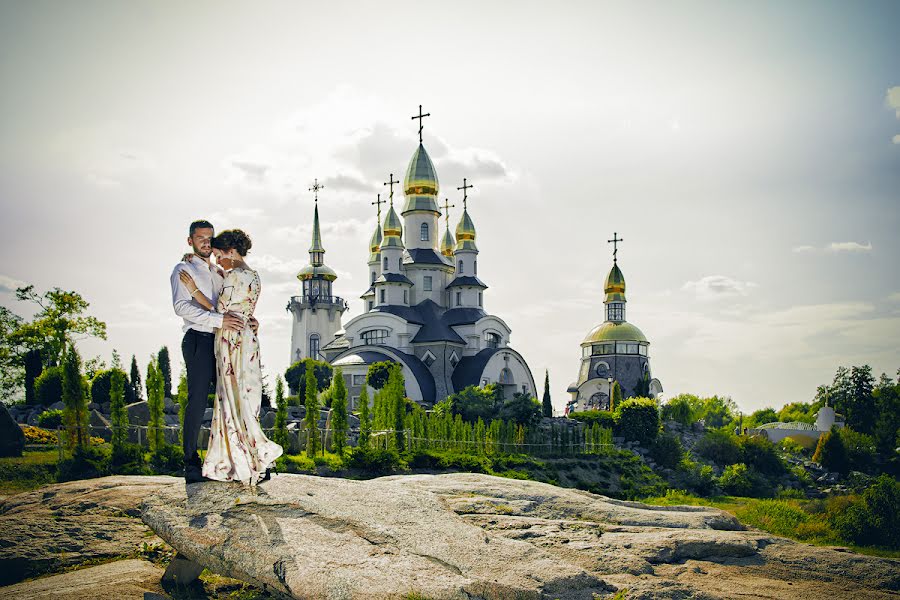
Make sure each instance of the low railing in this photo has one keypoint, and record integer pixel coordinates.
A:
(318, 299)
(795, 425)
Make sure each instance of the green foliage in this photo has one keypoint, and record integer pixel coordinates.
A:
(603, 418)
(860, 449)
(167, 459)
(546, 402)
(642, 387)
(12, 366)
(374, 460)
(86, 462)
(792, 447)
(128, 459)
(181, 396)
(740, 480)
(365, 419)
(851, 393)
(394, 394)
(75, 414)
(761, 455)
(616, 397)
(378, 374)
(280, 434)
(165, 370)
(678, 409)
(312, 409)
(761, 417)
(48, 386)
(339, 424)
(695, 477)
(295, 376)
(50, 419)
(718, 446)
(831, 453)
(875, 517)
(800, 412)
(521, 409)
(118, 412)
(155, 403)
(135, 379)
(638, 420)
(667, 451)
(471, 403)
(101, 384)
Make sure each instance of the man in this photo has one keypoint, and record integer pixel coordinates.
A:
(197, 345)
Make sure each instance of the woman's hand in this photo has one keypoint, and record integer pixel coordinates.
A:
(187, 257)
(188, 281)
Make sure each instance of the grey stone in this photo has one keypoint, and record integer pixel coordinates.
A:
(12, 440)
(172, 420)
(207, 415)
(116, 580)
(268, 420)
(105, 408)
(56, 406)
(97, 420)
(138, 413)
(181, 571)
(93, 406)
(170, 406)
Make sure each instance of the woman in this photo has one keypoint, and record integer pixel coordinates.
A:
(238, 449)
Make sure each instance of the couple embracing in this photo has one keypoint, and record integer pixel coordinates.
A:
(220, 347)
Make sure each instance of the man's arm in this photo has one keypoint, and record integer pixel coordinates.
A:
(184, 308)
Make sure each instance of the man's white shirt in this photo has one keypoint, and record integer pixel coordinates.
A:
(209, 282)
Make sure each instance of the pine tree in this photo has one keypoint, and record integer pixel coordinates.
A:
(312, 412)
(547, 405)
(165, 370)
(365, 422)
(395, 405)
(75, 413)
(135, 379)
(118, 413)
(182, 397)
(339, 412)
(616, 398)
(155, 402)
(280, 435)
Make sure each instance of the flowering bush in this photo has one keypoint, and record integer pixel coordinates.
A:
(36, 435)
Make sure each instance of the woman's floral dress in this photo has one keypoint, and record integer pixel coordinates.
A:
(238, 449)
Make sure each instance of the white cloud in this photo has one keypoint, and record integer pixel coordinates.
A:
(9, 285)
(834, 247)
(804, 249)
(714, 287)
(892, 99)
(896, 139)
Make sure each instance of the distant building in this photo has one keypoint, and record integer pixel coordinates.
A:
(805, 434)
(614, 351)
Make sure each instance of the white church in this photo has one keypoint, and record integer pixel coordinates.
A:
(424, 308)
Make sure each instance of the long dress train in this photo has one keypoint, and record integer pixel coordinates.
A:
(238, 448)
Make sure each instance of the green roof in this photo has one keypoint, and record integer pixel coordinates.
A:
(615, 332)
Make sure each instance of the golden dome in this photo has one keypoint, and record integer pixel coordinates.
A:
(317, 272)
(421, 177)
(465, 233)
(447, 243)
(611, 331)
(393, 230)
(614, 287)
(375, 244)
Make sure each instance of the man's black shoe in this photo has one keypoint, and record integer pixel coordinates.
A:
(193, 474)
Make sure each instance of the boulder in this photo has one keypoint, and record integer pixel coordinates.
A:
(97, 420)
(129, 578)
(487, 537)
(268, 420)
(207, 415)
(106, 408)
(138, 413)
(172, 420)
(170, 406)
(93, 406)
(12, 440)
(56, 406)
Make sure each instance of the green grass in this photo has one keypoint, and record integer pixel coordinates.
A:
(27, 472)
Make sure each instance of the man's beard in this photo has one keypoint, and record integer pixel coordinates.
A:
(200, 253)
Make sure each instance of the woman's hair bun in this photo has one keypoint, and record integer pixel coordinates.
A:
(233, 238)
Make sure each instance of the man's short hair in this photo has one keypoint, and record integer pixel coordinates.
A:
(201, 224)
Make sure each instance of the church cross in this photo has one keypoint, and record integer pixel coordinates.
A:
(420, 116)
(391, 183)
(447, 206)
(315, 189)
(379, 202)
(615, 241)
(465, 188)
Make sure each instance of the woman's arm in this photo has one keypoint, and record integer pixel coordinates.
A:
(196, 294)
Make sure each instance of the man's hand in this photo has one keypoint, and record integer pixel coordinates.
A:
(254, 325)
(232, 322)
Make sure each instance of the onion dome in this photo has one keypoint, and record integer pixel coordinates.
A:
(421, 183)
(611, 331)
(393, 230)
(317, 272)
(614, 287)
(447, 243)
(465, 233)
(375, 244)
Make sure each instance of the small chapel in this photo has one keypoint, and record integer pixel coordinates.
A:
(424, 307)
(613, 351)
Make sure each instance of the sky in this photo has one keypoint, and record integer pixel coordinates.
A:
(747, 153)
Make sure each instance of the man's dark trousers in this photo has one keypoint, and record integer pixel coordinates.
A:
(200, 361)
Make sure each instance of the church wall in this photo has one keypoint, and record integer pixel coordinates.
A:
(419, 294)
(516, 364)
(468, 258)
(412, 226)
(323, 321)
(441, 369)
(626, 369)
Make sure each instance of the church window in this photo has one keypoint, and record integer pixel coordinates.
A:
(475, 267)
(454, 360)
(459, 298)
(615, 311)
(492, 339)
(484, 381)
(428, 360)
(385, 263)
(479, 298)
(314, 346)
(460, 267)
(603, 370)
(374, 336)
(642, 350)
(620, 348)
(506, 377)
(631, 348)
(382, 296)
(426, 283)
(354, 402)
(405, 296)
(423, 232)
(359, 380)
(371, 305)
(373, 277)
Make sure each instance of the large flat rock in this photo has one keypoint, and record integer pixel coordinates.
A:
(119, 580)
(470, 536)
(67, 524)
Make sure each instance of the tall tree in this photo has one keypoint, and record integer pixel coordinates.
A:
(546, 404)
(312, 412)
(280, 435)
(118, 413)
(365, 420)
(396, 392)
(851, 393)
(616, 398)
(13, 372)
(155, 403)
(339, 412)
(75, 413)
(182, 394)
(136, 379)
(165, 370)
(60, 320)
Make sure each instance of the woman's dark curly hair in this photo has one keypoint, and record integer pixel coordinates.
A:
(233, 238)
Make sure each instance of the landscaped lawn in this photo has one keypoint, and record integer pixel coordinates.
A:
(27, 472)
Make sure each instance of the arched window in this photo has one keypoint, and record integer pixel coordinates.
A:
(506, 377)
(492, 339)
(374, 336)
(423, 232)
(460, 267)
(314, 346)
(475, 267)
(385, 263)
(373, 277)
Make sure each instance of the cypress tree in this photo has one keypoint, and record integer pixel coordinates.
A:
(280, 435)
(365, 421)
(397, 405)
(165, 370)
(616, 398)
(135, 379)
(312, 412)
(75, 414)
(339, 412)
(155, 433)
(547, 405)
(118, 414)
(182, 397)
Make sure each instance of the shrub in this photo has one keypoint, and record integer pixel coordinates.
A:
(638, 420)
(378, 373)
(719, 447)
(128, 459)
(167, 459)
(667, 451)
(791, 446)
(830, 452)
(86, 462)
(604, 418)
(678, 409)
(695, 477)
(48, 386)
(760, 454)
(874, 518)
(374, 460)
(101, 385)
(50, 419)
(740, 480)
(36, 435)
(295, 376)
(860, 449)
(521, 409)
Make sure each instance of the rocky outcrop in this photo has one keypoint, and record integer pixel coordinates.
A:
(475, 536)
(12, 440)
(67, 524)
(113, 581)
